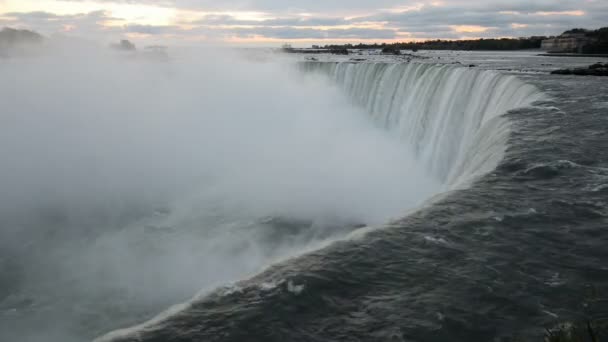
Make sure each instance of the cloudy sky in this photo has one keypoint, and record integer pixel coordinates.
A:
(273, 22)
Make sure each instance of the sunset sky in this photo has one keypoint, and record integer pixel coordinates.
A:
(273, 22)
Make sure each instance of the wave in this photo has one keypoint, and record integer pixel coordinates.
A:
(450, 117)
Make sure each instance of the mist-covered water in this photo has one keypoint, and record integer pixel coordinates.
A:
(454, 132)
(516, 249)
(129, 185)
(239, 186)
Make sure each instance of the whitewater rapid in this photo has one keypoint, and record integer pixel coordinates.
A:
(450, 117)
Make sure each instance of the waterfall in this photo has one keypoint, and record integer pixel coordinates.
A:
(450, 116)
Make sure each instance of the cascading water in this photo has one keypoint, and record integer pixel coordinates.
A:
(450, 116)
(451, 119)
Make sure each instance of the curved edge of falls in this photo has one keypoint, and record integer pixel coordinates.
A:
(451, 117)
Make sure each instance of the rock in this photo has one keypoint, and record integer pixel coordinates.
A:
(391, 50)
(598, 66)
(562, 72)
(339, 51)
(597, 69)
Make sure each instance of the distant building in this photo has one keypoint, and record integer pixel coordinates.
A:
(567, 42)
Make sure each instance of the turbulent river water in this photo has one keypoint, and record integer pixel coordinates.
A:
(511, 242)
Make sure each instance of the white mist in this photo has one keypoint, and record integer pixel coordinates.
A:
(129, 184)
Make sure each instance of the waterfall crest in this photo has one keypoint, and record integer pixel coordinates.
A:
(450, 116)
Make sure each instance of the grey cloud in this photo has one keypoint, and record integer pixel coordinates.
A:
(288, 33)
(293, 33)
(285, 21)
(433, 19)
(324, 7)
(529, 6)
(270, 5)
(150, 29)
(49, 22)
(37, 15)
(42, 15)
(428, 22)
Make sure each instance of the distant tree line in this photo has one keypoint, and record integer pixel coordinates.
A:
(12, 38)
(9, 37)
(599, 44)
(124, 45)
(477, 44)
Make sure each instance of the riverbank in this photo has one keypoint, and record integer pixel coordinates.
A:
(572, 55)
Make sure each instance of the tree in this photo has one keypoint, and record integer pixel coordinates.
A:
(124, 45)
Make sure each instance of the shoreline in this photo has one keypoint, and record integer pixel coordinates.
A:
(572, 55)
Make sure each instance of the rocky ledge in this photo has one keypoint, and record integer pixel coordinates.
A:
(597, 69)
